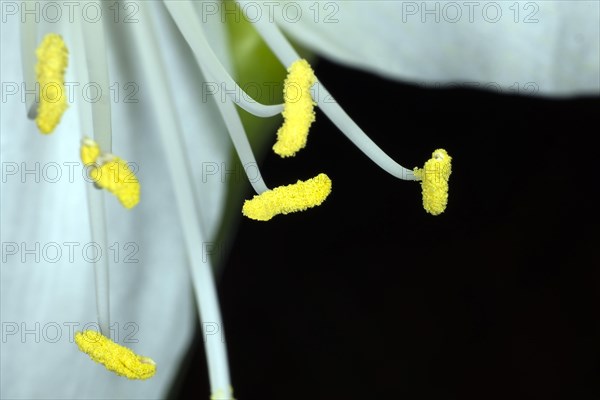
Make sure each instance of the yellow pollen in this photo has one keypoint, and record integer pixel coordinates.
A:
(89, 151)
(116, 358)
(287, 199)
(434, 181)
(298, 111)
(111, 173)
(53, 58)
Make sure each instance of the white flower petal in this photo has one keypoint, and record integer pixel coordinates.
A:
(507, 46)
(151, 300)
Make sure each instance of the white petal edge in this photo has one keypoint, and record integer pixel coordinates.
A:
(546, 48)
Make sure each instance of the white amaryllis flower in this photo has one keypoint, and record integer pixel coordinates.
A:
(52, 218)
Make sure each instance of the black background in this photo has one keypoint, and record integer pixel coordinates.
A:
(368, 296)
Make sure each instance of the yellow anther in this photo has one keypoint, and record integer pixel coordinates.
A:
(287, 199)
(298, 112)
(111, 173)
(115, 176)
(53, 58)
(434, 181)
(89, 151)
(116, 358)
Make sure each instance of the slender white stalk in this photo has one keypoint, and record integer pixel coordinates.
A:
(226, 108)
(240, 142)
(97, 68)
(287, 55)
(28, 46)
(97, 65)
(188, 22)
(173, 144)
(96, 210)
(97, 217)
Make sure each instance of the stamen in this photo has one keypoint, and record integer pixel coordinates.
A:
(88, 120)
(116, 358)
(284, 51)
(89, 151)
(28, 46)
(240, 142)
(183, 185)
(53, 58)
(111, 173)
(186, 19)
(434, 181)
(94, 38)
(228, 112)
(287, 199)
(116, 177)
(298, 113)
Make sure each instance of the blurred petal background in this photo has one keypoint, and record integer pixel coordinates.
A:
(367, 295)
